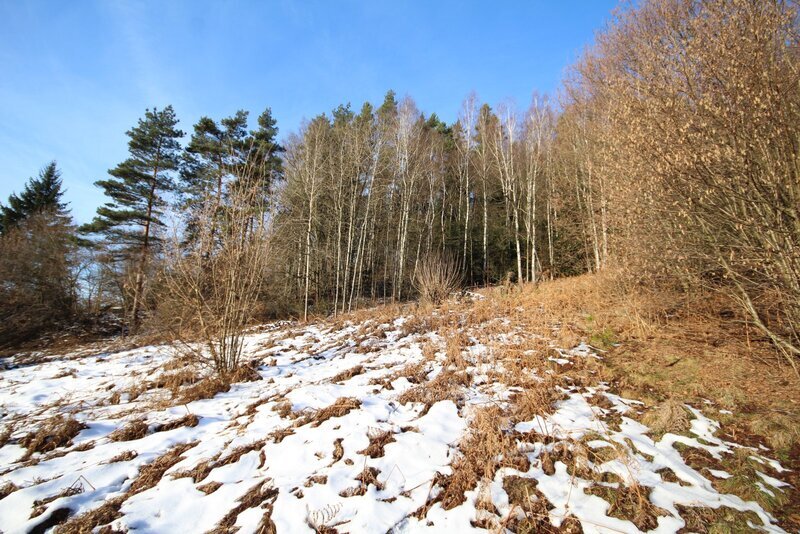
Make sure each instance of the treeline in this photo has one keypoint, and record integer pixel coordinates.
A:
(670, 155)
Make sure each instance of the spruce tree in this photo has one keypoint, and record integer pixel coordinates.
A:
(40, 194)
(136, 188)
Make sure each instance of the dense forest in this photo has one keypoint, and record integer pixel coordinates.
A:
(669, 156)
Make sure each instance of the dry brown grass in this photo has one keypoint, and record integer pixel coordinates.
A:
(668, 416)
(207, 388)
(53, 433)
(671, 346)
(377, 441)
(40, 505)
(199, 472)
(124, 456)
(150, 474)
(340, 408)
(133, 430)
(630, 503)
(705, 520)
(486, 448)
(209, 488)
(263, 495)
(7, 488)
(174, 381)
(87, 522)
(348, 374)
(447, 385)
(189, 420)
(523, 493)
(368, 476)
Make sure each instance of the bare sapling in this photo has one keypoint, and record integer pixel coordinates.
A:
(215, 280)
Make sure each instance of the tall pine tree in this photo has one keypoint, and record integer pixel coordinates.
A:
(213, 155)
(40, 194)
(130, 220)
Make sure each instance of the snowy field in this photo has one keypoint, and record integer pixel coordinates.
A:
(334, 437)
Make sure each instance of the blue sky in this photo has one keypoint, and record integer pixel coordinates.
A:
(77, 74)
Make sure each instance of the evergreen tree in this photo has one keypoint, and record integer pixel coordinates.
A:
(136, 189)
(265, 152)
(40, 194)
(214, 153)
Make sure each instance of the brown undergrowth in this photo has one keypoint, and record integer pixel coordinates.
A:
(670, 350)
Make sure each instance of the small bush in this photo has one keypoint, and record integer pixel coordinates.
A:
(436, 277)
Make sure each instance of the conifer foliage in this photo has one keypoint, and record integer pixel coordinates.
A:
(37, 260)
(40, 194)
(131, 221)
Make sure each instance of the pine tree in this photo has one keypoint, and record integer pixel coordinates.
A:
(265, 152)
(136, 189)
(214, 153)
(40, 194)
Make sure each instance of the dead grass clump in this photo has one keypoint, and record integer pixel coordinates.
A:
(124, 456)
(260, 494)
(207, 388)
(210, 488)
(133, 430)
(377, 441)
(199, 472)
(283, 408)
(189, 420)
(631, 503)
(414, 325)
(455, 341)
(536, 401)
(87, 522)
(780, 431)
(238, 452)
(151, 474)
(696, 457)
(5, 434)
(40, 505)
(58, 431)
(338, 450)
(246, 372)
(486, 449)
(522, 492)
(135, 391)
(316, 479)
(416, 373)
(279, 434)
(704, 520)
(367, 476)
(669, 416)
(340, 408)
(181, 361)
(175, 381)
(447, 385)
(7, 488)
(436, 277)
(348, 374)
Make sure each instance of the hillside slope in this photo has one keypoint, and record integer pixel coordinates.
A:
(454, 419)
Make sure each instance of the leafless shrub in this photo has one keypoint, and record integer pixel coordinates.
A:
(436, 277)
(690, 115)
(215, 284)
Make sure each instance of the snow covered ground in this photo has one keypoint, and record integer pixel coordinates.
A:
(324, 441)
